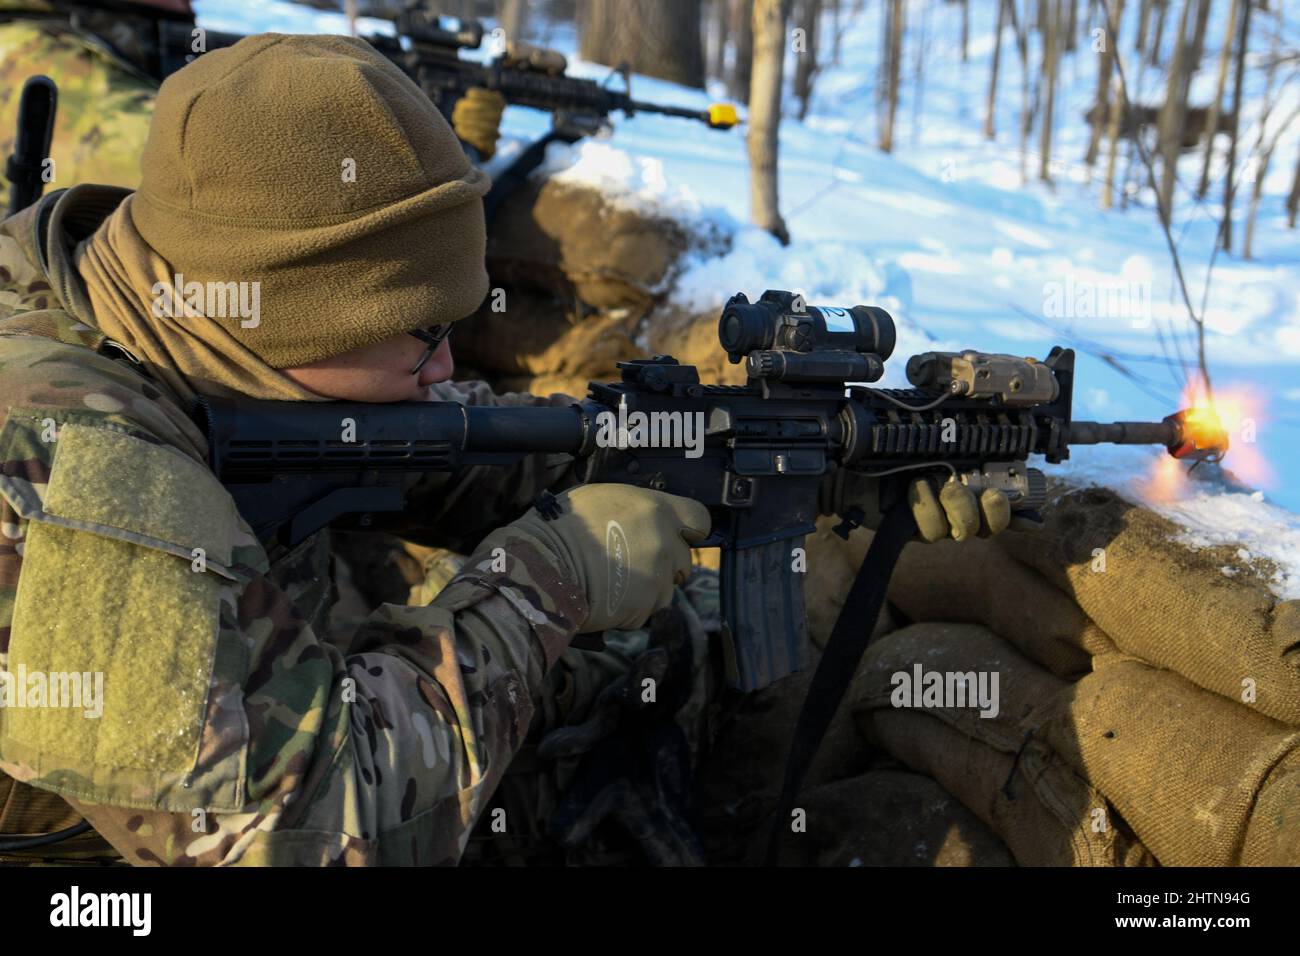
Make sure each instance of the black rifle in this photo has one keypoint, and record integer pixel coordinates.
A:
(429, 52)
(767, 447)
(525, 76)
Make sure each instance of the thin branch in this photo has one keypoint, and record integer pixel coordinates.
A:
(1163, 213)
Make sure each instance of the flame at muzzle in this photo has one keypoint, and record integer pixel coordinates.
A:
(1199, 435)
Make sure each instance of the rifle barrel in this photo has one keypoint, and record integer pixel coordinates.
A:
(682, 111)
(1125, 433)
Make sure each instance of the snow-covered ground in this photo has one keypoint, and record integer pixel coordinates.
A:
(944, 234)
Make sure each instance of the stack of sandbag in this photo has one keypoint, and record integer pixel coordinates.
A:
(1148, 706)
(858, 806)
(582, 280)
(568, 236)
(540, 345)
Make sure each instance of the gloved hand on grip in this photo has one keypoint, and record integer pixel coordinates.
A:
(476, 118)
(628, 547)
(942, 511)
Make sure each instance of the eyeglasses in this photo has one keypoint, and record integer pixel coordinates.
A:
(432, 337)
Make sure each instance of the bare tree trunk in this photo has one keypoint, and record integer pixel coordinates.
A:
(895, 66)
(805, 71)
(1144, 23)
(919, 47)
(837, 31)
(1216, 104)
(1116, 109)
(1073, 27)
(965, 30)
(1265, 154)
(1263, 147)
(770, 18)
(1020, 30)
(512, 17)
(991, 104)
(1198, 39)
(1162, 7)
(1051, 46)
(882, 66)
(656, 37)
(1169, 126)
(1105, 66)
(1293, 199)
(720, 14)
(742, 29)
(1229, 190)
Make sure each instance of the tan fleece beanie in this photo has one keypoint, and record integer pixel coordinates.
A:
(314, 167)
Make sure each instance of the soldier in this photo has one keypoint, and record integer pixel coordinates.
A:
(248, 739)
(108, 62)
(103, 64)
(230, 730)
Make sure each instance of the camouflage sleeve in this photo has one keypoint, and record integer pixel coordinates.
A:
(231, 732)
(455, 511)
(388, 755)
(385, 756)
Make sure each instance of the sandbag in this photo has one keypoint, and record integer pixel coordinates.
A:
(998, 766)
(1167, 604)
(1186, 768)
(561, 235)
(536, 337)
(886, 818)
(976, 581)
(1273, 832)
(971, 581)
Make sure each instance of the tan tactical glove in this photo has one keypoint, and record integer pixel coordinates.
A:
(476, 118)
(627, 545)
(951, 512)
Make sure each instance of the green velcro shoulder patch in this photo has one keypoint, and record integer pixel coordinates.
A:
(153, 495)
(120, 591)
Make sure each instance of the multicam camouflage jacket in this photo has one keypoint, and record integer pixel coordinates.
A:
(230, 731)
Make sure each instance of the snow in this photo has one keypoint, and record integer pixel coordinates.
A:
(944, 235)
(638, 182)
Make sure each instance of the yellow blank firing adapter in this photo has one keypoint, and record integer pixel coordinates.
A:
(722, 115)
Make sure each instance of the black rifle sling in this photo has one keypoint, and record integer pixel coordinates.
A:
(848, 642)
